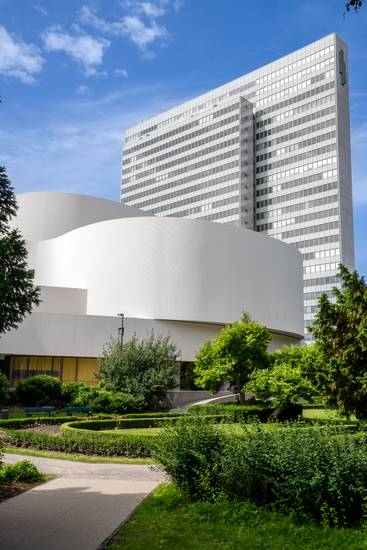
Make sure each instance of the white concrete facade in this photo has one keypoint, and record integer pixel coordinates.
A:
(187, 278)
(197, 160)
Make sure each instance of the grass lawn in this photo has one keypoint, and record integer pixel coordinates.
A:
(165, 520)
(326, 414)
(77, 458)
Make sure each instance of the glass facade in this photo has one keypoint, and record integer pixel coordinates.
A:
(269, 151)
(66, 369)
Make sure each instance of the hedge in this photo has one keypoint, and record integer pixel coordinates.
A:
(313, 473)
(126, 423)
(78, 437)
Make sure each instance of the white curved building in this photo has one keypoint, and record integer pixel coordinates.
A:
(95, 258)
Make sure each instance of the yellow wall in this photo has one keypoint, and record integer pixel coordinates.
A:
(67, 369)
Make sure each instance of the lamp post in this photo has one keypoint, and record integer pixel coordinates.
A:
(121, 329)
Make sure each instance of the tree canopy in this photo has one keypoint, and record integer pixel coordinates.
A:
(232, 356)
(144, 368)
(354, 5)
(18, 294)
(340, 332)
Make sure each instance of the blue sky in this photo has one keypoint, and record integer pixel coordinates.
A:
(75, 74)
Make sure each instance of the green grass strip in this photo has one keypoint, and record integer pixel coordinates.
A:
(77, 458)
(165, 520)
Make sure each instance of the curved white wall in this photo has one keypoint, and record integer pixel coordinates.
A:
(46, 215)
(165, 268)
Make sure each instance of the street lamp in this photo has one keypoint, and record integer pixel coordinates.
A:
(121, 329)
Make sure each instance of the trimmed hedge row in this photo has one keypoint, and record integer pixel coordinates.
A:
(127, 423)
(126, 445)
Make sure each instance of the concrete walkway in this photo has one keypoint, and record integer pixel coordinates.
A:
(76, 511)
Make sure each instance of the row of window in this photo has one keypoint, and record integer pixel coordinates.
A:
(293, 100)
(189, 167)
(199, 185)
(298, 133)
(189, 200)
(202, 208)
(191, 136)
(296, 158)
(300, 182)
(294, 89)
(296, 170)
(189, 146)
(320, 267)
(315, 104)
(305, 230)
(179, 130)
(328, 253)
(184, 191)
(298, 145)
(298, 219)
(311, 309)
(316, 241)
(296, 207)
(298, 194)
(295, 76)
(317, 295)
(292, 66)
(321, 281)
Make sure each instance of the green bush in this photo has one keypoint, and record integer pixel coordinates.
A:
(189, 452)
(39, 390)
(71, 390)
(101, 400)
(89, 444)
(4, 384)
(21, 472)
(312, 473)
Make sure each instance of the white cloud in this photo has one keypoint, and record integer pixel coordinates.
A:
(82, 89)
(121, 72)
(18, 59)
(40, 9)
(139, 25)
(84, 49)
(150, 10)
(140, 33)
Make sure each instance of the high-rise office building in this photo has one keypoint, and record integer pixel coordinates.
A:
(269, 151)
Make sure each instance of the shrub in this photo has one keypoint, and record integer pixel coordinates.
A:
(116, 402)
(39, 390)
(89, 444)
(4, 384)
(101, 400)
(21, 472)
(146, 368)
(311, 473)
(189, 452)
(71, 390)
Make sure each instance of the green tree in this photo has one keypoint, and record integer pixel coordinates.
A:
(144, 368)
(232, 356)
(18, 294)
(340, 331)
(284, 383)
(308, 359)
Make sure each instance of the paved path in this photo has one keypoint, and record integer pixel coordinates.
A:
(76, 511)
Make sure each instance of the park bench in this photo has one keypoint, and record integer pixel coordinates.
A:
(29, 411)
(71, 410)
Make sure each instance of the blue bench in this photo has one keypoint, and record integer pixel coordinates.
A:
(72, 410)
(29, 411)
